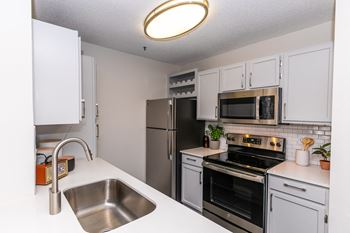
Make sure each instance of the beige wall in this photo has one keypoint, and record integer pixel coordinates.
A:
(124, 82)
(295, 40)
(17, 172)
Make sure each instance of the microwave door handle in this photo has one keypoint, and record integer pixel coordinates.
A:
(257, 108)
(234, 172)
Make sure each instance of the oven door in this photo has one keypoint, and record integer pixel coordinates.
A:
(234, 195)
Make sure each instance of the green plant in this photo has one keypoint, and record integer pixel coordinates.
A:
(324, 151)
(215, 132)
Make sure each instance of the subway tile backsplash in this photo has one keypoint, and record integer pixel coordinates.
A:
(292, 133)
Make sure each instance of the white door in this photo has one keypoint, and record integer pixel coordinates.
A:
(87, 129)
(56, 69)
(207, 99)
(290, 214)
(232, 77)
(307, 85)
(192, 186)
(263, 72)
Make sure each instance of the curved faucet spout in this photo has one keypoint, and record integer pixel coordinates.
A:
(54, 193)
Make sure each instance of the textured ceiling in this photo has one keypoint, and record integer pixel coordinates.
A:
(118, 24)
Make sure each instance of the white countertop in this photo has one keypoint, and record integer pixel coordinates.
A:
(201, 152)
(312, 174)
(32, 214)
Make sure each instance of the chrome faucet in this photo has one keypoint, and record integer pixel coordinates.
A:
(54, 192)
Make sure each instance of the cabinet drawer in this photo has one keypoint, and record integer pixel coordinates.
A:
(299, 189)
(192, 160)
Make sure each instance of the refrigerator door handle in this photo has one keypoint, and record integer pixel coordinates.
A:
(173, 159)
(169, 141)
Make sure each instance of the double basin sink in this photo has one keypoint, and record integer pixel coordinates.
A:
(106, 205)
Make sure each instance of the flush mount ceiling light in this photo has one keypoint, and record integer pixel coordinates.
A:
(175, 18)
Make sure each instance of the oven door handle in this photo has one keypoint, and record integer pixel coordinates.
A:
(235, 172)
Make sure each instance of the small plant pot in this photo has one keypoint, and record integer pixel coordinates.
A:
(214, 145)
(325, 164)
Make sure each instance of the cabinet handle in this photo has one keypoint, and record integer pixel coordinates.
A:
(242, 80)
(216, 111)
(284, 110)
(271, 202)
(193, 160)
(280, 66)
(97, 111)
(97, 130)
(83, 108)
(250, 79)
(294, 187)
(200, 177)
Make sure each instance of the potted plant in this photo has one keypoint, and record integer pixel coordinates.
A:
(325, 152)
(215, 133)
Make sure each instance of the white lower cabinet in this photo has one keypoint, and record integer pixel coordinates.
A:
(191, 182)
(295, 206)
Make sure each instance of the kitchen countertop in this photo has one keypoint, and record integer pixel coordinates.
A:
(31, 214)
(312, 174)
(202, 152)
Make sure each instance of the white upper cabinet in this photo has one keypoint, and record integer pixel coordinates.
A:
(263, 72)
(307, 85)
(57, 74)
(232, 77)
(207, 99)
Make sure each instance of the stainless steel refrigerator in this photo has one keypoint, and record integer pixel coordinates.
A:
(171, 126)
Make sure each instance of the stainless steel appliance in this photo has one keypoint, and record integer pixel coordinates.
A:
(171, 126)
(260, 106)
(234, 183)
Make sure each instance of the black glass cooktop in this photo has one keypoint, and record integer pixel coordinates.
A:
(248, 158)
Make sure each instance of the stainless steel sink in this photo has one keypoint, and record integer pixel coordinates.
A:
(107, 204)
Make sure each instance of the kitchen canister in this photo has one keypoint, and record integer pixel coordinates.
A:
(302, 157)
(223, 144)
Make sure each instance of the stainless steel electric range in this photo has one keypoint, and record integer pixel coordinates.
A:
(235, 182)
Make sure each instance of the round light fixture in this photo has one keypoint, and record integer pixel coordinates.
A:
(175, 18)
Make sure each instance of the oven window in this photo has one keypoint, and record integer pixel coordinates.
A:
(241, 197)
(267, 107)
(238, 108)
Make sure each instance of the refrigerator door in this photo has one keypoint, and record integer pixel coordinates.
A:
(160, 162)
(160, 113)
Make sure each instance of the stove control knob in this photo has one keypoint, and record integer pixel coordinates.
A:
(272, 144)
(278, 144)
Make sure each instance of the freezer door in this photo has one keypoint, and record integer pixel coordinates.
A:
(160, 114)
(160, 162)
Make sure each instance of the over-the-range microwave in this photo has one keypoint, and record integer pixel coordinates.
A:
(260, 106)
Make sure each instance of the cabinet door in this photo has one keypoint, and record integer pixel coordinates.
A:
(290, 214)
(232, 77)
(263, 72)
(56, 59)
(87, 129)
(207, 99)
(192, 186)
(307, 85)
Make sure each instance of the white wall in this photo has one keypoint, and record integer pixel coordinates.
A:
(124, 82)
(295, 40)
(16, 118)
(340, 162)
